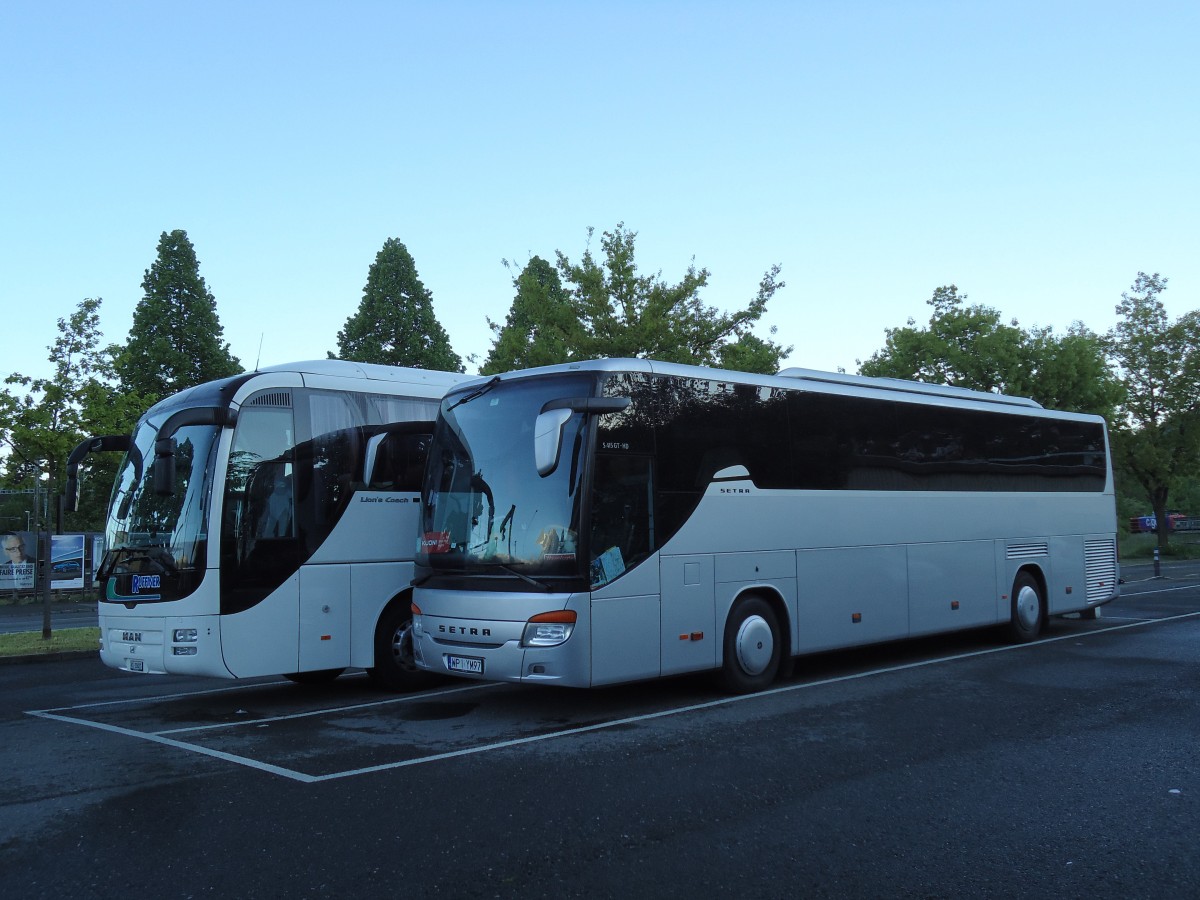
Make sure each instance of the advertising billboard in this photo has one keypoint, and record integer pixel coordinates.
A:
(18, 567)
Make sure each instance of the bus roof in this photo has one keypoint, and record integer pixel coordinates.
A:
(344, 368)
(901, 384)
(813, 376)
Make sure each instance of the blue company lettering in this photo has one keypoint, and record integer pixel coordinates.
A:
(146, 581)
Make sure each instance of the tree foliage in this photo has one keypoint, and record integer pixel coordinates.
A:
(176, 339)
(603, 307)
(395, 324)
(970, 346)
(45, 418)
(541, 327)
(1157, 431)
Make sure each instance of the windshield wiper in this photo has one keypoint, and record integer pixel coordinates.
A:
(472, 572)
(541, 585)
(478, 392)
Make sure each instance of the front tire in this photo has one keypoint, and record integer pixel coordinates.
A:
(395, 669)
(1028, 610)
(753, 646)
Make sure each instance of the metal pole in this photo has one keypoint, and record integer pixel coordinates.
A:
(44, 567)
(1157, 571)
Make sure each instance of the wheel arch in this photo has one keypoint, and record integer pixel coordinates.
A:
(1038, 574)
(367, 619)
(402, 598)
(775, 599)
(1025, 625)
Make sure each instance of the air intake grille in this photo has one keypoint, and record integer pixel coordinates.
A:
(277, 398)
(1100, 560)
(1030, 550)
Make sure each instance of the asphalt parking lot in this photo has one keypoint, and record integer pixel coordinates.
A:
(311, 734)
(923, 768)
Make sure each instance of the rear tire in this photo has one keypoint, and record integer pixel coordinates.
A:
(753, 646)
(395, 669)
(1028, 610)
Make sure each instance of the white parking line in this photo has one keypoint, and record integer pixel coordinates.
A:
(1170, 590)
(336, 709)
(160, 737)
(178, 745)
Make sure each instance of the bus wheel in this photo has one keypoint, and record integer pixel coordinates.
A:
(394, 668)
(320, 676)
(752, 648)
(1028, 611)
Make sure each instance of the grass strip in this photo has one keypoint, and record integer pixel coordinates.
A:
(62, 639)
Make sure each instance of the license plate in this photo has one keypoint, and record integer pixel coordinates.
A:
(472, 665)
(137, 665)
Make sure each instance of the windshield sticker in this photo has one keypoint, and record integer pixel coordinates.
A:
(607, 566)
(434, 542)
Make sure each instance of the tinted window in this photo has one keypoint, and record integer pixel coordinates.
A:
(853, 443)
(694, 428)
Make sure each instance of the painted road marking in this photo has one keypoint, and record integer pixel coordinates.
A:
(163, 738)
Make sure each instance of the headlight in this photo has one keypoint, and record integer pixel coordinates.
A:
(549, 629)
(184, 635)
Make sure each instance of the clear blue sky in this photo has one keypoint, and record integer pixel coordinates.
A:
(1036, 154)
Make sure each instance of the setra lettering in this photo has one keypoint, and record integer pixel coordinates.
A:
(470, 631)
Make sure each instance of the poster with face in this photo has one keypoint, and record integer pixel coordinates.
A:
(18, 567)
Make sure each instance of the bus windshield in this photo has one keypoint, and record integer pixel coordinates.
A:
(485, 507)
(152, 534)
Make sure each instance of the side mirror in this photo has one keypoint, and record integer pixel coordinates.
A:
(90, 445)
(547, 439)
(164, 444)
(164, 467)
(547, 430)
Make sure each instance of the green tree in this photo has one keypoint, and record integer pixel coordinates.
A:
(964, 346)
(1070, 371)
(602, 307)
(970, 346)
(625, 314)
(45, 418)
(176, 340)
(1157, 433)
(541, 327)
(395, 324)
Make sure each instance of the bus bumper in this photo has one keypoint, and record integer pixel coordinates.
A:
(177, 645)
(486, 649)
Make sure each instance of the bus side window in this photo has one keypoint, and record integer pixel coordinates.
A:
(275, 514)
(399, 463)
(622, 509)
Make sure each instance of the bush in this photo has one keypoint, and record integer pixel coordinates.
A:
(1141, 546)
